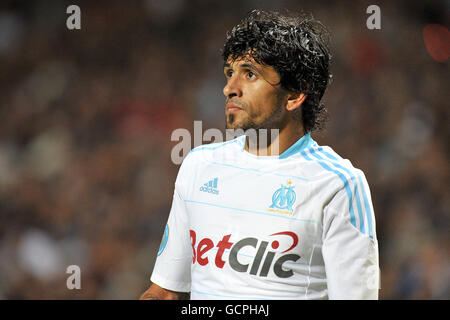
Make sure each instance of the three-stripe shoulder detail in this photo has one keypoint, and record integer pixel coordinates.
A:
(360, 206)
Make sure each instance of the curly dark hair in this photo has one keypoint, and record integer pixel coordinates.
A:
(296, 46)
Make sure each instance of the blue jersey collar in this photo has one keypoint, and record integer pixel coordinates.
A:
(304, 142)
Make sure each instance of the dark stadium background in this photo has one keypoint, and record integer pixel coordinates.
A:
(86, 116)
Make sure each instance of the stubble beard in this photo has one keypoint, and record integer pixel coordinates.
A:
(275, 120)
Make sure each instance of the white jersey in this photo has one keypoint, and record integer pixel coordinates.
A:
(296, 226)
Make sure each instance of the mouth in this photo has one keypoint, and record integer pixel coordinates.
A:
(233, 108)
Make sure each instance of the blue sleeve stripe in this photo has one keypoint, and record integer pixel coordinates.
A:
(365, 198)
(353, 179)
(367, 206)
(344, 180)
(328, 154)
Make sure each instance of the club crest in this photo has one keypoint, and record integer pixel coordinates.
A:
(283, 199)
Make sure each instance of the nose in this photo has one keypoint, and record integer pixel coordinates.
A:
(233, 87)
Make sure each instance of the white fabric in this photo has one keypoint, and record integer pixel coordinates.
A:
(236, 217)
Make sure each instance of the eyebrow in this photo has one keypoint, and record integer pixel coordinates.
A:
(245, 65)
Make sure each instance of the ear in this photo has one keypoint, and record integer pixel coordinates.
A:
(295, 101)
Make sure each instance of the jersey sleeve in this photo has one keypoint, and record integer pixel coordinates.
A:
(172, 269)
(350, 251)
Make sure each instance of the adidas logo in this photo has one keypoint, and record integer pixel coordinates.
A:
(210, 186)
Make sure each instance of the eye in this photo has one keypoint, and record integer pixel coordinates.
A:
(228, 73)
(251, 75)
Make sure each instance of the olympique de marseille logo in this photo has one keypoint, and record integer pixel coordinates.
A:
(283, 199)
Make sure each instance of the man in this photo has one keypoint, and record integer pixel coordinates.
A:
(287, 219)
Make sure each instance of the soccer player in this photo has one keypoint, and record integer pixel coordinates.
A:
(289, 220)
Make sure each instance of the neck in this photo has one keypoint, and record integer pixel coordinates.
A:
(273, 142)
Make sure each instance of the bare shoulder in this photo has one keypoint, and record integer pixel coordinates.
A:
(155, 292)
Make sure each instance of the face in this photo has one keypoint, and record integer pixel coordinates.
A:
(254, 98)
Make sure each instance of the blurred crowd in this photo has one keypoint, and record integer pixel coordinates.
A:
(86, 117)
